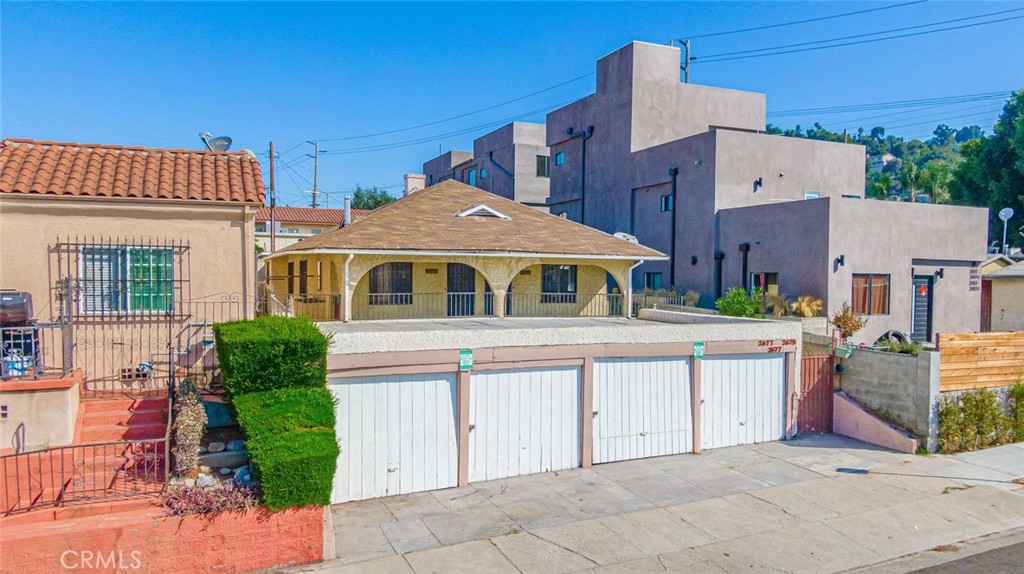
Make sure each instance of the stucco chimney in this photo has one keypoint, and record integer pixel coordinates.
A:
(414, 182)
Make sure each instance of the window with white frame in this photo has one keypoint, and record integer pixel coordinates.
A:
(558, 284)
(117, 279)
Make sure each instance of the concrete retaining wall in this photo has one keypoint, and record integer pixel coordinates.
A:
(901, 389)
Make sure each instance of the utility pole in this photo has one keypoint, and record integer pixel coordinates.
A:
(316, 173)
(273, 202)
(686, 60)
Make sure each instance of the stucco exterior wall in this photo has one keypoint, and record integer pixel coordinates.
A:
(1008, 305)
(440, 168)
(39, 414)
(221, 237)
(903, 240)
(789, 238)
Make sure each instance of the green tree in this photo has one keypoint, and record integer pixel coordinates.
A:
(880, 185)
(992, 171)
(370, 198)
(935, 177)
(968, 133)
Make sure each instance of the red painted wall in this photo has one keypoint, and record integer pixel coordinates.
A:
(145, 542)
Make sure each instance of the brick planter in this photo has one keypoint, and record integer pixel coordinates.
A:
(149, 542)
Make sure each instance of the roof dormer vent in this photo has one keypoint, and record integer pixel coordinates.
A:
(482, 211)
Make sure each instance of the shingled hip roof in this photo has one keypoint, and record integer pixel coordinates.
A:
(44, 168)
(452, 217)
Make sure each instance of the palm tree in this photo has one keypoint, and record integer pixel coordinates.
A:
(911, 179)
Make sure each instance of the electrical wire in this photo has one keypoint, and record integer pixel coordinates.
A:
(695, 61)
(917, 27)
(899, 104)
(783, 24)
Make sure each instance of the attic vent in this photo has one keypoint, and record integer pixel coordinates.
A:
(482, 211)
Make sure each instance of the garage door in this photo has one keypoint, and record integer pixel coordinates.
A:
(643, 408)
(397, 435)
(523, 421)
(743, 400)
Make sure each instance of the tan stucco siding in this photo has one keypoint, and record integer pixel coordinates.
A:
(221, 256)
(1008, 305)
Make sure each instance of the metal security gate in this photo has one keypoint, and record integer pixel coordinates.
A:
(397, 435)
(814, 411)
(642, 408)
(743, 400)
(523, 421)
(921, 320)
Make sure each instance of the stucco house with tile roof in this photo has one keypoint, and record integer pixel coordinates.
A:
(451, 250)
(132, 226)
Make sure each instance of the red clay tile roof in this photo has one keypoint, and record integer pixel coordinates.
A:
(427, 221)
(309, 215)
(95, 170)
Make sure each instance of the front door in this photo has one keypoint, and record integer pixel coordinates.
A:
(921, 315)
(461, 290)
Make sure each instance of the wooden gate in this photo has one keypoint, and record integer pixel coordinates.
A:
(814, 414)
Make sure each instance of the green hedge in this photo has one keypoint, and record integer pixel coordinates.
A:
(279, 411)
(271, 353)
(295, 468)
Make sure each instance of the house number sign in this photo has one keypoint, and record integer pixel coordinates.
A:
(775, 345)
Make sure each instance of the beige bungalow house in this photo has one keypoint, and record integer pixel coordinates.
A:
(1003, 299)
(452, 250)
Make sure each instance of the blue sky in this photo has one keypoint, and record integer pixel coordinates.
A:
(157, 74)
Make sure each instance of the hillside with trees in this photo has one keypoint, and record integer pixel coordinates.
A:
(962, 166)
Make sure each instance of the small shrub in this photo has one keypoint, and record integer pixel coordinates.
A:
(807, 306)
(951, 431)
(847, 321)
(188, 428)
(269, 353)
(972, 421)
(1015, 410)
(738, 303)
(691, 299)
(186, 500)
(903, 348)
(295, 468)
(279, 411)
(777, 304)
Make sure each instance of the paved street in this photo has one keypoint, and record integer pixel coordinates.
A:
(812, 505)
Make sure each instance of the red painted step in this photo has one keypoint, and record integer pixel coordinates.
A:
(125, 404)
(147, 416)
(109, 433)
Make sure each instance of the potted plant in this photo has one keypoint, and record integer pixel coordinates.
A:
(848, 324)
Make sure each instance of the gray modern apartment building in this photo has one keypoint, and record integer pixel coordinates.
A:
(512, 161)
(688, 170)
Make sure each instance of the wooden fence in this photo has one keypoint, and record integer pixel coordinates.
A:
(977, 360)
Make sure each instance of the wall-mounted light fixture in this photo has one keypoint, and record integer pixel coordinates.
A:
(838, 262)
(758, 183)
(693, 260)
(939, 273)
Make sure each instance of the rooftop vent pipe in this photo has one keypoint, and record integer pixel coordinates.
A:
(348, 211)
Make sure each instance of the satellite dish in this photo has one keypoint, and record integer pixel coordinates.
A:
(627, 237)
(221, 143)
(1006, 213)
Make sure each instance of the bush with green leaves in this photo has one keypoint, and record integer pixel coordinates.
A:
(270, 353)
(900, 347)
(738, 303)
(291, 441)
(972, 421)
(187, 429)
(1015, 410)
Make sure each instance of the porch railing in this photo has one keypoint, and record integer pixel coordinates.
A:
(82, 473)
(388, 306)
(34, 351)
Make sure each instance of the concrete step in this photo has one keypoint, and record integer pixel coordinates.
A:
(110, 433)
(146, 416)
(123, 404)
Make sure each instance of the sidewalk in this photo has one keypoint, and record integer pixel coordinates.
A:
(813, 505)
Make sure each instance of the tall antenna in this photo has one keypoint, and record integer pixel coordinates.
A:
(273, 202)
(316, 173)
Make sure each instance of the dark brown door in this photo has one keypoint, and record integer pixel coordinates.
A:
(986, 305)
(814, 413)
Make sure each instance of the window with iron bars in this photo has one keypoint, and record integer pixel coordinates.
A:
(125, 278)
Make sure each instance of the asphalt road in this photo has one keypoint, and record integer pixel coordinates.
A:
(1005, 560)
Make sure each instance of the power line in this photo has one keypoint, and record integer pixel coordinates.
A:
(395, 145)
(783, 24)
(433, 123)
(696, 61)
(862, 35)
(899, 104)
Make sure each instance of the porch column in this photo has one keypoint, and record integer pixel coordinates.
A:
(499, 299)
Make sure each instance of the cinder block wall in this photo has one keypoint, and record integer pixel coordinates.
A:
(901, 389)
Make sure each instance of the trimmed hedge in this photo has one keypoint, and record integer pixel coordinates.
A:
(295, 468)
(290, 435)
(279, 411)
(271, 353)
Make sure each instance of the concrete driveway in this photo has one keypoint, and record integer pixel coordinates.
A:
(817, 504)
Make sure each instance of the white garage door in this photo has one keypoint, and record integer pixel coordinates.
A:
(523, 421)
(397, 435)
(643, 408)
(743, 400)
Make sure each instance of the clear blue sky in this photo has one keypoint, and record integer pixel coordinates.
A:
(157, 74)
